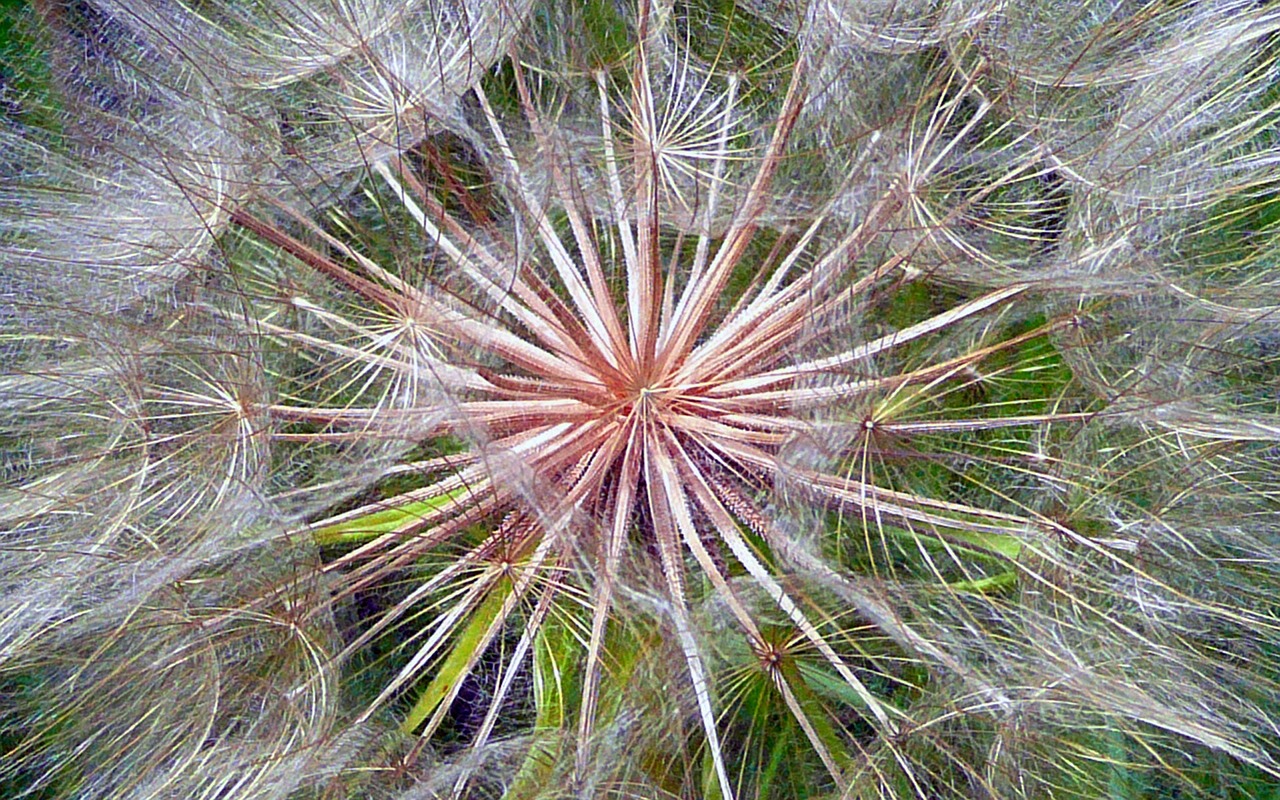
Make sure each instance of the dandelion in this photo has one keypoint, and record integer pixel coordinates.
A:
(528, 399)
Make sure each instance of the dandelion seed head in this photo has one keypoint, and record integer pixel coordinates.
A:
(704, 409)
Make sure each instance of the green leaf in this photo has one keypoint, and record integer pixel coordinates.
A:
(379, 522)
(455, 666)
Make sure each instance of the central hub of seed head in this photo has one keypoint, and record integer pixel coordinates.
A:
(647, 400)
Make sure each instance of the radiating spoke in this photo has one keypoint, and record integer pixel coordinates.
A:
(668, 540)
